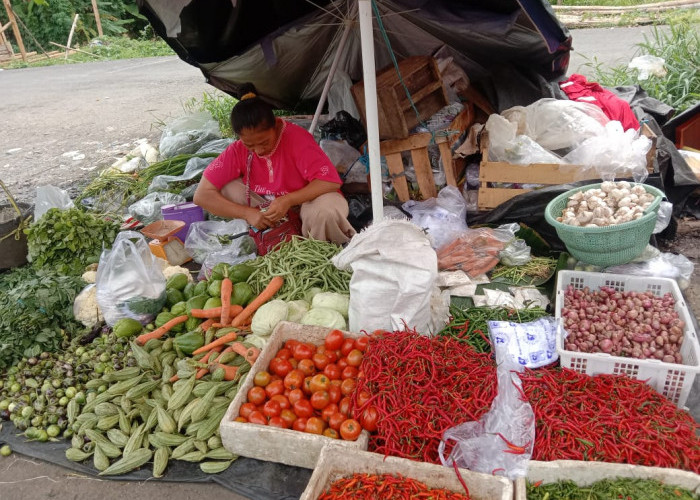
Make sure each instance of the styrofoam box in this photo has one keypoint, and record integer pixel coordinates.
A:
(336, 462)
(670, 379)
(273, 444)
(586, 473)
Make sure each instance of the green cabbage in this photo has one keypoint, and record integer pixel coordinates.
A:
(267, 317)
(324, 316)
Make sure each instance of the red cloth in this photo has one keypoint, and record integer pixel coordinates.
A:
(579, 89)
(295, 162)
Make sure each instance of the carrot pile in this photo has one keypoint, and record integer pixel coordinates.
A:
(422, 386)
(475, 252)
(608, 418)
(373, 486)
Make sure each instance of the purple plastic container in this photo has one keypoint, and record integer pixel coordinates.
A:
(187, 212)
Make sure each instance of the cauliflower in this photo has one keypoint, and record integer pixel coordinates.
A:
(90, 276)
(85, 307)
(171, 270)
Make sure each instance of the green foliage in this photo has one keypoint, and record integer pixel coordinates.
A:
(679, 46)
(68, 240)
(603, 3)
(36, 307)
(219, 107)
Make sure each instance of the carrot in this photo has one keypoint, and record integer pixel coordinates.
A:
(228, 349)
(162, 330)
(214, 312)
(270, 290)
(203, 371)
(226, 289)
(230, 371)
(207, 324)
(249, 353)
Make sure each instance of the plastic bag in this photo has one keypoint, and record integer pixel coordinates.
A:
(147, 209)
(48, 197)
(341, 154)
(444, 217)
(187, 134)
(340, 96)
(648, 65)
(225, 256)
(392, 284)
(219, 237)
(344, 127)
(505, 145)
(663, 216)
(531, 345)
(517, 253)
(501, 442)
(475, 251)
(665, 265)
(130, 283)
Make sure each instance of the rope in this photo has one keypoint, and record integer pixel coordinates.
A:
(22, 223)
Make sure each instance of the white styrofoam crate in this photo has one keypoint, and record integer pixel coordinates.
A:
(336, 462)
(273, 444)
(586, 473)
(673, 380)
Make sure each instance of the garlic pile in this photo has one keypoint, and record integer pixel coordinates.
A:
(613, 203)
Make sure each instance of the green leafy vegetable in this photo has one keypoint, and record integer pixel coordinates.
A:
(648, 489)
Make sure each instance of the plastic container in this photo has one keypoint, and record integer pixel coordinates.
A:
(336, 462)
(186, 212)
(670, 379)
(609, 245)
(586, 473)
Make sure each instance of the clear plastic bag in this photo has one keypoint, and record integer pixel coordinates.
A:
(130, 283)
(505, 145)
(226, 256)
(147, 209)
(48, 197)
(648, 65)
(663, 216)
(226, 239)
(475, 251)
(444, 217)
(517, 253)
(342, 155)
(665, 265)
(501, 442)
(187, 134)
(531, 345)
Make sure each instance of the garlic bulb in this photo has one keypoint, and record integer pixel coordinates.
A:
(608, 186)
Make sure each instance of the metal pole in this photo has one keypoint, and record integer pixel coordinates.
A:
(372, 115)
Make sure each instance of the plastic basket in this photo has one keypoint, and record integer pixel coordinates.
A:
(673, 380)
(609, 245)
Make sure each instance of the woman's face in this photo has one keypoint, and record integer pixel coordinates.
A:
(260, 140)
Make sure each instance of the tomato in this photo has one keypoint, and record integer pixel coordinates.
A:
(332, 371)
(306, 387)
(336, 382)
(348, 386)
(334, 340)
(362, 398)
(299, 424)
(295, 395)
(294, 379)
(240, 419)
(284, 353)
(294, 363)
(319, 382)
(290, 345)
(257, 395)
(342, 363)
(302, 351)
(348, 345)
(274, 388)
(315, 425)
(369, 418)
(335, 393)
(320, 360)
(354, 357)
(307, 366)
(282, 400)
(280, 367)
(303, 408)
(360, 343)
(331, 433)
(278, 422)
(271, 408)
(320, 399)
(328, 411)
(246, 409)
(262, 378)
(349, 372)
(344, 406)
(257, 418)
(288, 416)
(332, 356)
(274, 377)
(350, 429)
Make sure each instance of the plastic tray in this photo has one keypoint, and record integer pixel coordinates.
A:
(162, 229)
(336, 462)
(670, 379)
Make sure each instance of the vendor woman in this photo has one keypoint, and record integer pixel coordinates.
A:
(278, 165)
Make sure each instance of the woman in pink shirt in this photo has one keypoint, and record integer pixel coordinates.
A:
(278, 164)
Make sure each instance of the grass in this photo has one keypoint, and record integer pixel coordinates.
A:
(603, 3)
(679, 47)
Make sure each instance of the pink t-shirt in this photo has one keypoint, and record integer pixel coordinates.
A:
(295, 162)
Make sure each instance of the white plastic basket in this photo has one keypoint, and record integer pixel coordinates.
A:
(670, 379)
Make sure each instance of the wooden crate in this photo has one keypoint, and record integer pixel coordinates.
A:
(534, 173)
(417, 145)
(396, 115)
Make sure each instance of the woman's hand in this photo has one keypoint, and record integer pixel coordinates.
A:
(277, 210)
(255, 218)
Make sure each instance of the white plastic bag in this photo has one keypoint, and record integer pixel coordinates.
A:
(665, 265)
(194, 168)
(48, 197)
(147, 209)
(130, 283)
(227, 239)
(444, 217)
(394, 273)
(648, 65)
(531, 345)
(187, 134)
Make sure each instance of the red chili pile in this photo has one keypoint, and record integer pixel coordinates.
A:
(608, 418)
(421, 386)
(372, 487)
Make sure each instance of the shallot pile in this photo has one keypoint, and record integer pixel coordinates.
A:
(632, 324)
(613, 203)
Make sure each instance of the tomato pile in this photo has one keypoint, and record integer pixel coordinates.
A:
(307, 388)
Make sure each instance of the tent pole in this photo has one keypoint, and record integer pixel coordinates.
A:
(331, 74)
(372, 115)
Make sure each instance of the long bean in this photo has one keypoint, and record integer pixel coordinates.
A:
(537, 268)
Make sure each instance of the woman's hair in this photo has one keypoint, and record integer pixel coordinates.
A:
(251, 112)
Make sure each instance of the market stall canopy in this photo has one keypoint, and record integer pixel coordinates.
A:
(285, 47)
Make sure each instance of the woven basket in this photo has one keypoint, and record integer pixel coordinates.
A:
(609, 245)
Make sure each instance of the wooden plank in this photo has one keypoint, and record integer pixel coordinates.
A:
(97, 18)
(446, 159)
(414, 141)
(490, 198)
(15, 28)
(398, 177)
(3, 28)
(540, 173)
(424, 172)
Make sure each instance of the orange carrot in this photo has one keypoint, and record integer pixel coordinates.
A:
(270, 290)
(228, 349)
(230, 371)
(207, 324)
(226, 289)
(249, 353)
(162, 330)
(203, 371)
(214, 312)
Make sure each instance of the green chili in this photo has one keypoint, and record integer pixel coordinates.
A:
(607, 489)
